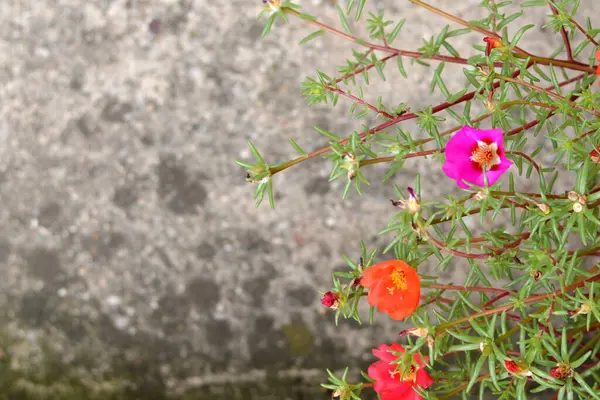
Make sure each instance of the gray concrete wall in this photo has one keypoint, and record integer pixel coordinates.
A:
(131, 247)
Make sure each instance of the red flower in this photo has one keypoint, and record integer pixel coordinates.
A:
(392, 384)
(394, 286)
(330, 300)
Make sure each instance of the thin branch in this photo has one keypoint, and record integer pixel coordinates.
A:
(462, 22)
(564, 34)
(466, 288)
(531, 299)
(525, 156)
(359, 101)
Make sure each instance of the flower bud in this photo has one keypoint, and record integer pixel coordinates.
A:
(573, 196)
(484, 69)
(577, 207)
(356, 282)
(492, 43)
(412, 205)
(419, 332)
(351, 174)
(350, 164)
(480, 195)
(584, 309)
(595, 155)
(430, 342)
(517, 368)
(545, 208)
(331, 300)
(272, 5)
(561, 371)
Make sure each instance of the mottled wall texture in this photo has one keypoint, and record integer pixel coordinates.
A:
(131, 253)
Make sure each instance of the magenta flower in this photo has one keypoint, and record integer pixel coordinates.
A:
(471, 150)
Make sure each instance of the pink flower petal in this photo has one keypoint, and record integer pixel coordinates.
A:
(461, 168)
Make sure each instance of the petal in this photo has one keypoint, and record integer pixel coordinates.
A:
(400, 393)
(494, 174)
(373, 274)
(420, 360)
(400, 313)
(411, 395)
(463, 170)
(379, 372)
(462, 185)
(383, 353)
(489, 135)
(376, 294)
(424, 379)
(460, 145)
(398, 348)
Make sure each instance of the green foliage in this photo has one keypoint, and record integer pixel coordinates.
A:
(529, 296)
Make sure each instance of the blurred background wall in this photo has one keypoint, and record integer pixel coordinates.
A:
(133, 261)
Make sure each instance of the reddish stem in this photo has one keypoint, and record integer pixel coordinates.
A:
(564, 35)
(358, 100)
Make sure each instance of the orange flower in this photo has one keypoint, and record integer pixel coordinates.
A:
(492, 43)
(394, 286)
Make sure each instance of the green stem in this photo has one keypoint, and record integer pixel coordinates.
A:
(531, 299)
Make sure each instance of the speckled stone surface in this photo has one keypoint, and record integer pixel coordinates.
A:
(130, 239)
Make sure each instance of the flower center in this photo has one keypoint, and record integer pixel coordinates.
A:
(409, 376)
(486, 155)
(398, 278)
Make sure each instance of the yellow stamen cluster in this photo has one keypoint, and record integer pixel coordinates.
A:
(398, 278)
(483, 155)
(409, 376)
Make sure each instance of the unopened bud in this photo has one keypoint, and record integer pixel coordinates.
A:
(489, 104)
(492, 43)
(484, 69)
(272, 5)
(419, 332)
(480, 195)
(536, 274)
(350, 164)
(412, 205)
(577, 207)
(545, 208)
(430, 342)
(331, 300)
(584, 309)
(356, 282)
(351, 174)
(561, 371)
(517, 368)
(573, 196)
(595, 155)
